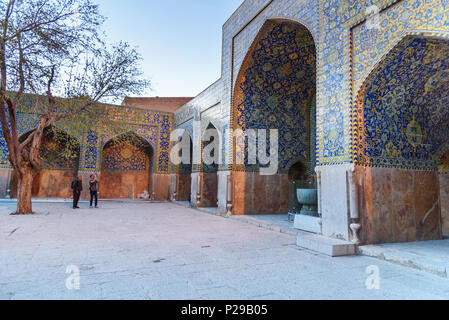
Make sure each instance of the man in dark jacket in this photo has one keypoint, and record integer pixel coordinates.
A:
(77, 187)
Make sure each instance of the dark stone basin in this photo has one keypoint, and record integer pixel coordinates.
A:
(308, 198)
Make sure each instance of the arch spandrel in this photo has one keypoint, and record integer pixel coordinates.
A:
(371, 43)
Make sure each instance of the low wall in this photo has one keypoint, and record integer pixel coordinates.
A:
(399, 205)
(184, 181)
(209, 190)
(54, 184)
(119, 185)
(257, 194)
(48, 184)
(161, 184)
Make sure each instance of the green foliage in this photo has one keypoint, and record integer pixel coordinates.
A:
(59, 150)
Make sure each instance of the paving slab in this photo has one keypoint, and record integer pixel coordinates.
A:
(278, 223)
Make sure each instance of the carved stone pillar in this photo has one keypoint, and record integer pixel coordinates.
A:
(354, 204)
(175, 187)
(318, 183)
(199, 187)
(229, 195)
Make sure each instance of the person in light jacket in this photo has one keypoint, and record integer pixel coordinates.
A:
(93, 187)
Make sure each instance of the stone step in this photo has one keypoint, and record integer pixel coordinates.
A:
(307, 223)
(327, 246)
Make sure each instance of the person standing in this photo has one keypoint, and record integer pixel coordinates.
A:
(77, 187)
(93, 187)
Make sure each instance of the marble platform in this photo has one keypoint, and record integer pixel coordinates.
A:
(306, 240)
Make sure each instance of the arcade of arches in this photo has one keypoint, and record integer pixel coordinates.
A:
(128, 158)
(362, 116)
(126, 167)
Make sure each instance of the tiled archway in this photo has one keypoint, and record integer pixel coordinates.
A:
(275, 89)
(401, 132)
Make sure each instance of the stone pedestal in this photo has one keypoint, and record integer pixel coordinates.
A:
(327, 246)
(334, 194)
(309, 200)
(308, 223)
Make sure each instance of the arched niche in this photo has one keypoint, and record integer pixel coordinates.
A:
(126, 167)
(401, 129)
(275, 89)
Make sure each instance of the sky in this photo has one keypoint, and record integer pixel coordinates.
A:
(180, 40)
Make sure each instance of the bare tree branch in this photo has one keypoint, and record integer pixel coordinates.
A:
(66, 68)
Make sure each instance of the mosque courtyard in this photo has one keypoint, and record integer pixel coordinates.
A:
(137, 250)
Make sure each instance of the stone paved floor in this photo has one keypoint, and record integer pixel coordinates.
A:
(166, 251)
(276, 219)
(430, 256)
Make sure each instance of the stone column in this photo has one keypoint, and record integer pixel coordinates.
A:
(334, 196)
(222, 191)
(194, 189)
(173, 186)
(5, 181)
(319, 205)
(354, 204)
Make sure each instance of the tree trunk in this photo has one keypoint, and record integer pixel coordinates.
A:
(24, 205)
